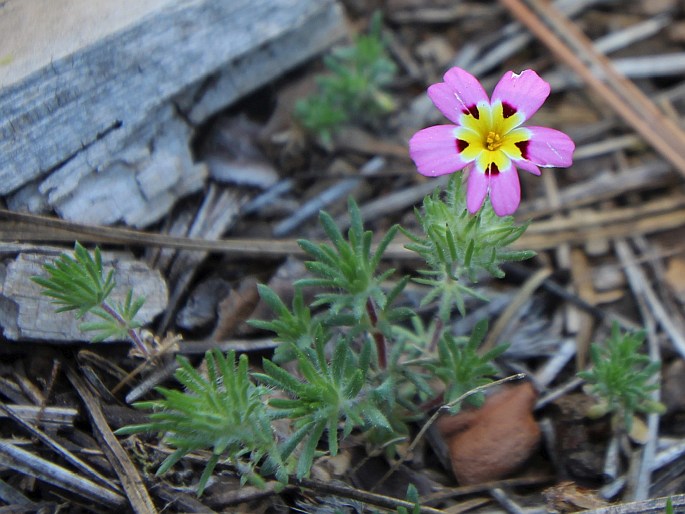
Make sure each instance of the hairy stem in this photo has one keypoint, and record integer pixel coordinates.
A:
(132, 333)
(378, 337)
(437, 334)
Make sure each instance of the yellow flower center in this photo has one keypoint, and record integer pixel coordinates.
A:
(493, 141)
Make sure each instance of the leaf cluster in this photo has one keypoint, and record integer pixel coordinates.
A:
(621, 377)
(296, 329)
(461, 367)
(457, 246)
(331, 394)
(348, 271)
(79, 284)
(223, 411)
(353, 90)
(115, 322)
(357, 361)
(76, 283)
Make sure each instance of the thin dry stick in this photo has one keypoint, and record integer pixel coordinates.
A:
(658, 135)
(15, 226)
(442, 410)
(56, 364)
(505, 501)
(523, 294)
(368, 497)
(58, 448)
(652, 216)
(648, 224)
(641, 285)
(641, 486)
(52, 417)
(463, 490)
(131, 480)
(18, 459)
(652, 506)
(591, 219)
(581, 44)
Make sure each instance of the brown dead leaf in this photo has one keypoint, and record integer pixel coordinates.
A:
(236, 308)
(489, 443)
(568, 497)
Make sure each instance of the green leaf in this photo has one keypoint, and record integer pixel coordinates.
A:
(307, 457)
(621, 378)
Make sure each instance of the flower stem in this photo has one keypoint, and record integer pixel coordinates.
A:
(132, 333)
(437, 334)
(378, 337)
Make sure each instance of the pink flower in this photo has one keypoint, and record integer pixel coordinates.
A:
(488, 138)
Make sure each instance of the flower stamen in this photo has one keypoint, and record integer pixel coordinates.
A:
(493, 141)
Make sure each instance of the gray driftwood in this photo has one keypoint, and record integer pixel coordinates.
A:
(27, 463)
(26, 314)
(54, 417)
(651, 506)
(98, 100)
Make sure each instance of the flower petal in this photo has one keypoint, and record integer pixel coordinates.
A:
(505, 192)
(521, 93)
(528, 166)
(459, 94)
(476, 189)
(435, 151)
(548, 147)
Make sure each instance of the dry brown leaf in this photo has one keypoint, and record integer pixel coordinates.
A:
(236, 308)
(568, 497)
(491, 442)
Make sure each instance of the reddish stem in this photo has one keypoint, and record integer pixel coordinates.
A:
(378, 337)
(132, 333)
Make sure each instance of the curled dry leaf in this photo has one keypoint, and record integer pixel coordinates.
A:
(491, 442)
(568, 497)
(236, 308)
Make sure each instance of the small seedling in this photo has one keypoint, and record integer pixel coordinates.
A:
(622, 378)
(413, 497)
(223, 412)
(79, 284)
(353, 90)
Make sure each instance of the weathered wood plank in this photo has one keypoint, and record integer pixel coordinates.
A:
(84, 109)
(34, 33)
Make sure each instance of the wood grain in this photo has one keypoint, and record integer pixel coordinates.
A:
(102, 99)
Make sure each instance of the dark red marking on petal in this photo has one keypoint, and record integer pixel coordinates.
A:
(472, 110)
(461, 145)
(508, 109)
(493, 169)
(523, 147)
